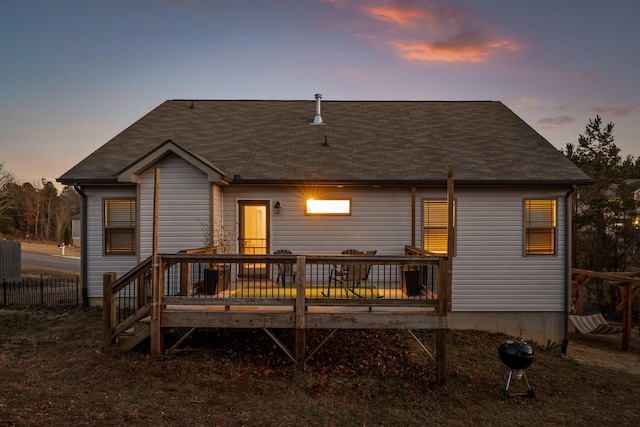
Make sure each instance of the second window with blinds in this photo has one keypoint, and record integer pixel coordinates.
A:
(435, 225)
(119, 226)
(540, 227)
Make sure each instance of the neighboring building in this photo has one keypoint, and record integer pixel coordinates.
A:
(251, 166)
(10, 262)
(634, 187)
(76, 230)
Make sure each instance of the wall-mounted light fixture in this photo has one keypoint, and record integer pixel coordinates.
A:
(277, 206)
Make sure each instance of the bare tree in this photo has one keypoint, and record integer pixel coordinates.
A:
(49, 195)
(65, 206)
(7, 201)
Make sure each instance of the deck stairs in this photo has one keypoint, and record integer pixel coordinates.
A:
(136, 334)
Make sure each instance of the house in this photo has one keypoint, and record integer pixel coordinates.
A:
(76, 230)
(633, 186)
(377, 169)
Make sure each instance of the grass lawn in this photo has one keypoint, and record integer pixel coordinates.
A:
(53, 373)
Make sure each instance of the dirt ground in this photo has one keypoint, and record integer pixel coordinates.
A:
(53, 372)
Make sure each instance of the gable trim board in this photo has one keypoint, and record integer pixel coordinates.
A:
(166, 149)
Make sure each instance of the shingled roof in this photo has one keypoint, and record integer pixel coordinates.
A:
(380, 142)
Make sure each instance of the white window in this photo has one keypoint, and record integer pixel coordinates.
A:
(119, 226)
(540, 227)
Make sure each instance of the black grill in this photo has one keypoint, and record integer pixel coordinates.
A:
(517, 356)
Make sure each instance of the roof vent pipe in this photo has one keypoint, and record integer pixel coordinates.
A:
(317, 120)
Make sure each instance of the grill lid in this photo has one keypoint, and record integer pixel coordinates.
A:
(516, 354)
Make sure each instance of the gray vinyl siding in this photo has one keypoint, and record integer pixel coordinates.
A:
(380, 218)
(97, 262)
(490, 271)
(184, 200)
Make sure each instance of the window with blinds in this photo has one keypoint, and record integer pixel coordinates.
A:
(120, 226)
(540, 227)
(436, 232)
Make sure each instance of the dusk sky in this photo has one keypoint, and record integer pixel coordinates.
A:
(73, 74)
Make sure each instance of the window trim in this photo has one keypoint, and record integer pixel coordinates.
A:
(134, 229)
(341, 199)
(455, 223)
(525, 227)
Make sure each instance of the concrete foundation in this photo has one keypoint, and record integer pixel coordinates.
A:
(542, 327)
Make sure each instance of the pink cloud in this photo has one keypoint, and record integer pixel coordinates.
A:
(340, 4)
(470, 46)
(527, 102)
(585, 77)
(556, 122)
(206, 5)
(615, 112)
(397, 15)
(427, 31)
(366, 36)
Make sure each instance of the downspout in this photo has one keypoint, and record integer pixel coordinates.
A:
(413, 216)
(568, 237)
(83, 247)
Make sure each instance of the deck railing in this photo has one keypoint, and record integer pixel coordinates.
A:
(327, 277)
(125, 300)
(416, 279)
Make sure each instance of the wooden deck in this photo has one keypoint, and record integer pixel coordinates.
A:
(172, 295)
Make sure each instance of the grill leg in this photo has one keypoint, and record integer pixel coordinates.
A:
(508, 380)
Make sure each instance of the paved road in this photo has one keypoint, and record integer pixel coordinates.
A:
(51, 262)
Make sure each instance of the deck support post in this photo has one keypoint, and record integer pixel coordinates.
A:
(109, 320)
(441, 356)
(300, 312)
(185, 279)
(627, 295)
(157, 279)
(156, 337)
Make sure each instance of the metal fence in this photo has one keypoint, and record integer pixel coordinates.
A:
(44, 292)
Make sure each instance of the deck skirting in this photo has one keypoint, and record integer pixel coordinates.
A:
(315, 317)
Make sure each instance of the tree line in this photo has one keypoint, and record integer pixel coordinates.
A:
(36, 211)
(606, 221)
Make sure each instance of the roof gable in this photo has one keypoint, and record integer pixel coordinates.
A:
(132, 171)
(382, 142)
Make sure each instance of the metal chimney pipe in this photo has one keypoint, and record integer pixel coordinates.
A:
(317, 120)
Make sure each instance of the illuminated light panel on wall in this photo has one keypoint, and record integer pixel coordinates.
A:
(328, 207)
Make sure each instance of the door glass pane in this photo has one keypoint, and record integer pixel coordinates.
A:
(254, 224)
(255, 230)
